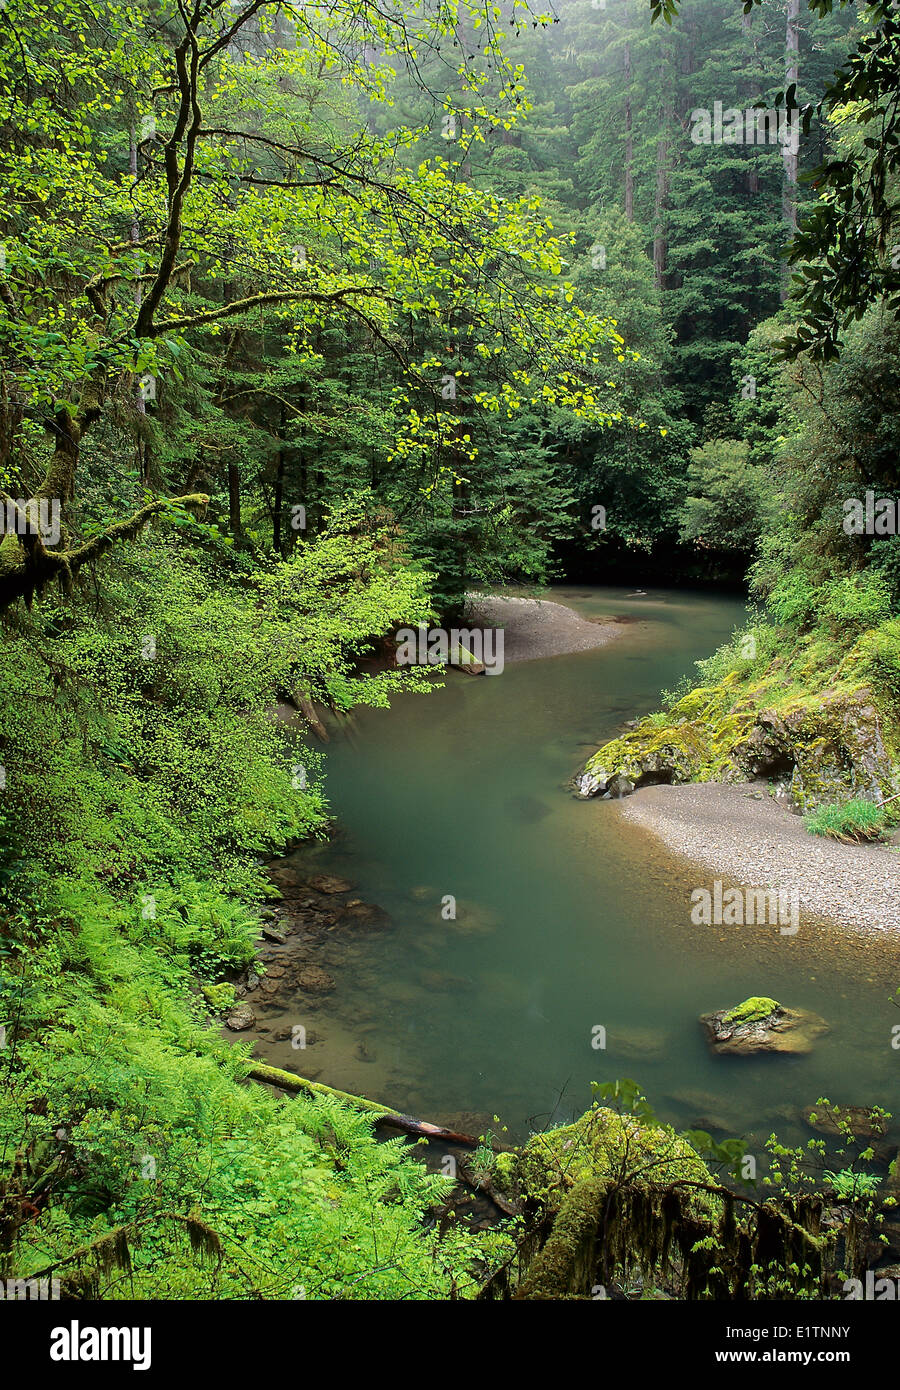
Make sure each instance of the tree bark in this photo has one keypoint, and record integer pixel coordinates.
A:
(234, 501)
(629, 141)
(792, 77)
(660, 244)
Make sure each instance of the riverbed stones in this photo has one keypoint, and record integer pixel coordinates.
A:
(329, 883)
(358, 913)
(314, 980)
(240, 1018)
(743, 1031)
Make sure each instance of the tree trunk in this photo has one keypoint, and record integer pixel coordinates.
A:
(660, 246)
(234, 501)
(792, 77)
(629, 141)
(288, 1081)
(278, 500)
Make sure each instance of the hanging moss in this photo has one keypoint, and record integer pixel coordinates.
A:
(612, 1197)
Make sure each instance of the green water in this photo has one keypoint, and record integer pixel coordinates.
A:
(579, 920)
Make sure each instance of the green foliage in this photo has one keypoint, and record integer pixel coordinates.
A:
(850, 1186)
(854, 821)
(729, 500)
(144, 778)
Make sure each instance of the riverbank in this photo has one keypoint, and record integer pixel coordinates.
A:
(742, 834)
(538, 628)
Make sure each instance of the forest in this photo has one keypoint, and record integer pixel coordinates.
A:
(319, 323)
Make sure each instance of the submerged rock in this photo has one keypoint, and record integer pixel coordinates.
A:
(315, 980)
(762, 1025)
(638, 1043)
(329, 883)
(862, 1122)
(527, 808)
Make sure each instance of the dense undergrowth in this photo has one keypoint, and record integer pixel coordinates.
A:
(145, 779)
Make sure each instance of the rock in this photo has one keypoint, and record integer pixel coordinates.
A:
(241, 1018)
(329, 883)
(826, 751)
(638, 1043)
(315, 980)
(527, 809)
(287, 879)
(709, 1111)
(364, 914)
(272, 934)
(762, 1025)
(442, 981)
(619, 786)
(835, 1119)
(286, 1034)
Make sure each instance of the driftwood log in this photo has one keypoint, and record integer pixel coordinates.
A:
(384, 1115)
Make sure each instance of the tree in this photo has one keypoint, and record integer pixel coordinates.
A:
(219, 198)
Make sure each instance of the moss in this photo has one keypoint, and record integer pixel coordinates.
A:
(602, 1143)
(219, 997)
(753, 1010)
(834, 742)
(566, 1265)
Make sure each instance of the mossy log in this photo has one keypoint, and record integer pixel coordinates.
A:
(565, 1267)
(392, 1119)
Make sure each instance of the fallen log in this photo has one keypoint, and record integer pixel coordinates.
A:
(392, 1119)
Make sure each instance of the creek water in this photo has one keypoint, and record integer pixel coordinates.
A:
(568, 918)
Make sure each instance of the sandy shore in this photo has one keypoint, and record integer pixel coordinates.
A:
(535, 628)
(741, 835)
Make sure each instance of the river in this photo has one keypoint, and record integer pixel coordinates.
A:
(572, 957)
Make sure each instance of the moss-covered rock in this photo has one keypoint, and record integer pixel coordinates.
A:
(829, 747)
(607, 1194)
(219, 997)
(602, 1143)
(762, 1025)
(752, 1010)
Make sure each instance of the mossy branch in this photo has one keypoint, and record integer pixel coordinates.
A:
(27, 566)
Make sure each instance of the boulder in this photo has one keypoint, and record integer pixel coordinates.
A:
(240, 1018)
(762, 1025)
(826, 751)
(315, 980)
